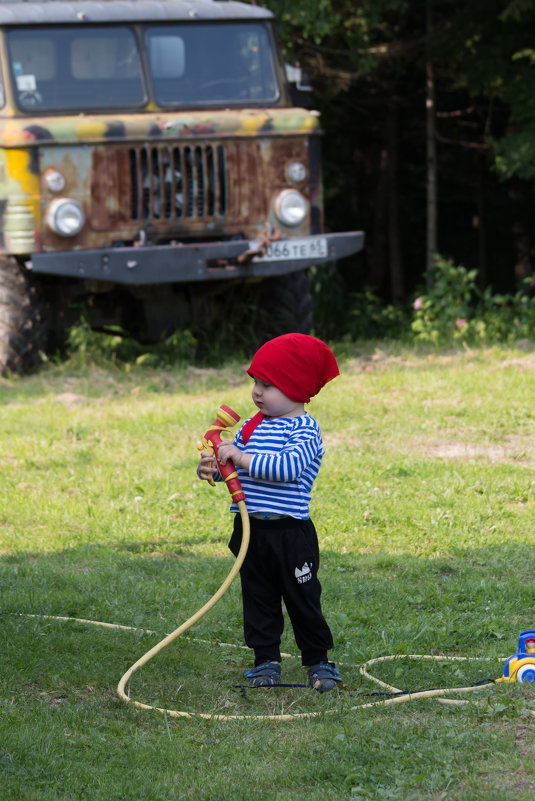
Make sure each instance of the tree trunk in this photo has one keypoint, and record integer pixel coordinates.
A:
(397, 284)
(378, 266)
(519, 195)
(431, 244)
(482, 250)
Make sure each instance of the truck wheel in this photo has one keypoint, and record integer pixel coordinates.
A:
(284, 306)
(23, 328)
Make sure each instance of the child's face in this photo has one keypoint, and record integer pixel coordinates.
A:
(272, 402)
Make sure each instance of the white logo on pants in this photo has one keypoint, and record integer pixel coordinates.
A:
(303, 574)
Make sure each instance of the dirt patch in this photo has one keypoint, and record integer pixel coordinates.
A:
(381, 358)
(71, 399)
(524, 362)
(513, 450)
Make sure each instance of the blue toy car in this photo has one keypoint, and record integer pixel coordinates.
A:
(521, 666)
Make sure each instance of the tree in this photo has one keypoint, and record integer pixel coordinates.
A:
(430, 113)
(374, 66)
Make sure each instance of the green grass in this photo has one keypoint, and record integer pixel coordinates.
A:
(425, 509)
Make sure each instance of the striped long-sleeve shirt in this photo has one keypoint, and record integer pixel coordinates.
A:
(287, 457)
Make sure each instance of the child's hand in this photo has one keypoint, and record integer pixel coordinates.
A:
(229, 452)
(207, 466)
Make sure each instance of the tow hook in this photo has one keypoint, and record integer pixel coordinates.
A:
(264, 241)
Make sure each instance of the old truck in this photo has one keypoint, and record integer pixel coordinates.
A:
(152, 156)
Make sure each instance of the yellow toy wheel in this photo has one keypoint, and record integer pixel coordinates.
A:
(525, 670)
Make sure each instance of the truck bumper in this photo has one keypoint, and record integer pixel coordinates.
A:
(208, 261)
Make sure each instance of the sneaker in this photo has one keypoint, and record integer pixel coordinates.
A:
(324, 676)
(265, 675)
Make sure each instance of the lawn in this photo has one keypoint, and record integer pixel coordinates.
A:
(425, 509)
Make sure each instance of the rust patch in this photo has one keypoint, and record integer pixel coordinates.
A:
(111, 189)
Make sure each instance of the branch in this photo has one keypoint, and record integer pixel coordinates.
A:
(460, 143)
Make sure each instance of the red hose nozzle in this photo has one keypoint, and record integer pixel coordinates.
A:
(225, 418)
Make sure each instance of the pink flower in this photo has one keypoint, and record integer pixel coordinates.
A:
(460, 323)
(417, 304)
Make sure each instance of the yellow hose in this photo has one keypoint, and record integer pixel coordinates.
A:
(364, 669)
(121, 687)
(403, 697)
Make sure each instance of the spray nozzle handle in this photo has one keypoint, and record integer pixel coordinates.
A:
(225, 418)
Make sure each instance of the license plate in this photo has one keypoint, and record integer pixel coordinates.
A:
(290, 249)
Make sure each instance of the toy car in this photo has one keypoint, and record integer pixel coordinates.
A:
(521, 666)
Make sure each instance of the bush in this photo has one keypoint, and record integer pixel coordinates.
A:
(454, 309)
(443, 313)
(86, 347)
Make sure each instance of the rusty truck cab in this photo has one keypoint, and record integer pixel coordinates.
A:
(150, 157)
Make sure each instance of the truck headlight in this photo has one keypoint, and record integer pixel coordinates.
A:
(65, 217)
(290, 207)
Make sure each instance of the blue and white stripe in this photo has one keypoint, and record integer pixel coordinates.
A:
(287, 457)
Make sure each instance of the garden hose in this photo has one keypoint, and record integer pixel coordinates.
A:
(400, 696)
(121, 687)
(397, 696)
(522, 664)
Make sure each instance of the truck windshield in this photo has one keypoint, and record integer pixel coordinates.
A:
(206, 63)
(64, 68)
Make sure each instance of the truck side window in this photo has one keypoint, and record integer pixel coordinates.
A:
(104, 57)
(167, 57)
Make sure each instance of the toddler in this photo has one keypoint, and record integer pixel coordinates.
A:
(277, 455)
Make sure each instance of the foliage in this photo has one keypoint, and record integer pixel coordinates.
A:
(515, 151)
(455, 310)
(343, 24)
(368, 65)
(85, 347)
(499, 64)
(370, 318)
(443, 312)
(485, 48)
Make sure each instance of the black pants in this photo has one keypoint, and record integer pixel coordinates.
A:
(282, 563)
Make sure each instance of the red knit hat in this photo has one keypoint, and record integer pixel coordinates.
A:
(297, 364)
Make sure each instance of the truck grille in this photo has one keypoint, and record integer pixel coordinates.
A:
(174, 182)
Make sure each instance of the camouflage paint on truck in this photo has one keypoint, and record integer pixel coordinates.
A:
(124, 172)
(150, 155)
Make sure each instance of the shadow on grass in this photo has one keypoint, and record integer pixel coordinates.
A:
(473, 603)
(66, 735)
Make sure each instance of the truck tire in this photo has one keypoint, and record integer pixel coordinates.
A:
(23, 327)
(284, 305)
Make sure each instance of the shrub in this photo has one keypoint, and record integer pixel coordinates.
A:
(454, 309)
(444, 312)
